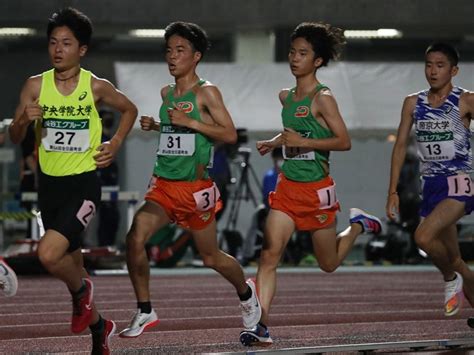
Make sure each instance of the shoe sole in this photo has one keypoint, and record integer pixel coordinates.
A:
(248, 339)
(456, 311)
(149, 325)
(112, 332)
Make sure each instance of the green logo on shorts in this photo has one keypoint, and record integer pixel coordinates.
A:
(322, 218)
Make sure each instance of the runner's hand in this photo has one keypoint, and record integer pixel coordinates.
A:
(291, 138)
(148, 123)
(107, 152)
(178, 117)
(392, 208)
(265, 147)
(33, 111)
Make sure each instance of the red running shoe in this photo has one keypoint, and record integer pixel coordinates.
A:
(82, 309)
(101, 341)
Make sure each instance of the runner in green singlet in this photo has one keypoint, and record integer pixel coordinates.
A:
(193, 116)
(305, 196)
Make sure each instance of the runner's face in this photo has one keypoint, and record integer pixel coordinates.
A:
(180, 56)
(438, 70)
(302, 57)
(64, 49)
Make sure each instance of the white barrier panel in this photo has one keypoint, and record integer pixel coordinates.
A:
(369, 95)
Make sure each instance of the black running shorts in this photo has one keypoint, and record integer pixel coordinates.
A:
(68, 203)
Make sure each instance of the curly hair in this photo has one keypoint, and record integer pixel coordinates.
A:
(79, 24)
(327, 41)
(192, 32)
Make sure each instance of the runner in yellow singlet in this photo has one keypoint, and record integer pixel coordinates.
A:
(61, 103)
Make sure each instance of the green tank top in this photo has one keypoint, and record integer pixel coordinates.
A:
(183, 154)
(70, 130)
(299, 165)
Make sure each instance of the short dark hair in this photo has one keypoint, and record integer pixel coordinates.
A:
(327, 41)
(79, 24)
(448, 50)
(192, 32)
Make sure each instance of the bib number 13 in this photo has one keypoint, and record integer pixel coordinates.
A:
(433, 149)
(460, 185)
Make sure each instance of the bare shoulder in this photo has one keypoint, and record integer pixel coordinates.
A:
(164, 91)
(209, 91)
(468, 97)
(34, 81)
(209, 87)
(410, 101)
(32, 86)
(100, 83)
(324, 95)
(283, 95)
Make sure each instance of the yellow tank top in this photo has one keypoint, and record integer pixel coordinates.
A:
(70, 130)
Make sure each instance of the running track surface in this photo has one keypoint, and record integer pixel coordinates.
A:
(199, 312)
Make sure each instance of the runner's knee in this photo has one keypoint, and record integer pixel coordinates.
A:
(139, 233)
(328, 265)
(423, 238)
(269, 258)
(210, 260)
(48, 258)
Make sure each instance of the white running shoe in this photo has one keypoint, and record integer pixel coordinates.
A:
(369, 223)
(251, 309)
(139, 323)
(453, 296)
(8, 280)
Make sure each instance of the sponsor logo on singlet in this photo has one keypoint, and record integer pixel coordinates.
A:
(302, 111)
(83, 95)
(185, 106)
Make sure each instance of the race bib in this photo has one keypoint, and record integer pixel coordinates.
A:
(86, 212)
(67, 136)
(177, 144)
(435, 140)
(297, 154)
(206, 198)
(459, 185)
(327, 197)
(437, 151)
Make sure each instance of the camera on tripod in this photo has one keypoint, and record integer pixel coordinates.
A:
(242, 138)
(243, 190)
(244, 152)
